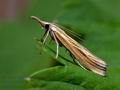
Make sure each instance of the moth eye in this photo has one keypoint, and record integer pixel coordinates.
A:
(47, 26)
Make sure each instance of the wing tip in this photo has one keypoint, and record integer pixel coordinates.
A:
(101, 72)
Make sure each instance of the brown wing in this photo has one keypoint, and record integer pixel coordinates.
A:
(82, 55)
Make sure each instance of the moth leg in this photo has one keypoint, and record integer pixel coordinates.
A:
(45, 36)
(72, 57)
(57, 52)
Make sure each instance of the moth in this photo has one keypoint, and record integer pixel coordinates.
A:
(83, 56)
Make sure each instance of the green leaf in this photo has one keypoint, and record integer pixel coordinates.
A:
(69, 76)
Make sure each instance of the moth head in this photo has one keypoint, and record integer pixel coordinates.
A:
(44, 25)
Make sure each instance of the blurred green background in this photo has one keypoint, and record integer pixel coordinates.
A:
(97, 20)
(19, 56)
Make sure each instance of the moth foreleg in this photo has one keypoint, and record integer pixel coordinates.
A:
(45, 36)
(56, 41)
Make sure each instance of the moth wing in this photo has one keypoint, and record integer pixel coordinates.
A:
(83, 56)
